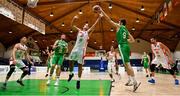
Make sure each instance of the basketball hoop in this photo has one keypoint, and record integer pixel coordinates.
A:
(32, 3)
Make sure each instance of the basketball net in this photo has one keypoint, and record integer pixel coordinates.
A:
(32, 3)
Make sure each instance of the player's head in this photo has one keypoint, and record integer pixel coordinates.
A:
(23, 40)
(86, 27)
(112, 48)
(153, 40)
(144, 53)
(63, 36)
(122, 22)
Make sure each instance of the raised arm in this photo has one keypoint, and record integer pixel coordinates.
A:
(55, 44)
(72, 25)
(92, 27)
(131, 38)
(109, 19)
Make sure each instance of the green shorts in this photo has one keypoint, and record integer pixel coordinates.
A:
(146, 65)
(58, 59)
(124, 50)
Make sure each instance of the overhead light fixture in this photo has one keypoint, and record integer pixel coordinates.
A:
(100, 47)
(112, 29)
(63, 24)
(35, 41)
(71, 31)
(133, 29)
(51, 14)
(95, 42)
(110, 6)
(10, 32)
(137, 20)
(142, 8)
(80, 12)
(112, 41)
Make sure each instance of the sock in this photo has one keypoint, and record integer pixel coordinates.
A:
(50, 77)
(152, 77)
(129, 79)
(134, 80)
(79, 79)
(57, 78)
(6, 81)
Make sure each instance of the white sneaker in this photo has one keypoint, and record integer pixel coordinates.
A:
(48, 82)
(56, 83)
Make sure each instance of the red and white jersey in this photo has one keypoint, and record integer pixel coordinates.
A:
(111, 56)
(157, 50)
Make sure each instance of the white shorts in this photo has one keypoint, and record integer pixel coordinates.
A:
(77, 55)
(163, 61)
(111, 67)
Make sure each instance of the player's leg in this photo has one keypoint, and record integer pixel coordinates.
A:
(110, 72)
(58, 69)
(12, 68)
(146, 69)
(71, 68)
(80, 69)
(54, 63)
(125, 54)
(172, 72)
(152, 74)
(48, 68)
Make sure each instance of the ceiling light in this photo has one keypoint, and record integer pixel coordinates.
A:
(10, 32)
(95, 42)
(110, 6)
(112, 29)
(51, 14)
(35, 41)
(142, 8)
(63, 24)
(137, 20)
(112, 41)
(80, 12)
(71, 31)
(133, 29)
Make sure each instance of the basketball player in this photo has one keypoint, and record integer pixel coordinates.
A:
(79, 50)
(49, 60)
(146, 61)
(123, 38)
(18, 54)
(111, 57)
(60, 47)
(161, 55)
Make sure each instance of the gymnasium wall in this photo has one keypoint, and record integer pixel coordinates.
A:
(2, 50)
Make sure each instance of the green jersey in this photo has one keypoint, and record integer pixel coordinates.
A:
(145, 59)
(61, 47)
(122, 35)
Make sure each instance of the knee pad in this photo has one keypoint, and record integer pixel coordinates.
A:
(12, 68)
(171, 71)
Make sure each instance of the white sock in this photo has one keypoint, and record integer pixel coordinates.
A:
(79, 79)
(50, 77)
(57, 78)
(134, 80)
(129, 79)
(152, 77)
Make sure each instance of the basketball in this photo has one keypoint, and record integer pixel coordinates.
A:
(96, 8)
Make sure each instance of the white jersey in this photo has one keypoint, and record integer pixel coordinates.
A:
(157, 50)
(81, 41)
(79, 50)
(112, 57)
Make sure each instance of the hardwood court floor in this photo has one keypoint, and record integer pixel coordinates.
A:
(164, 86)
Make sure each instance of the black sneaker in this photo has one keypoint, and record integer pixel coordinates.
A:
(78, 85)
(70, 77)
(112, 80)
(136, 86)
(20, 82)
(46, 75)
(4, 86)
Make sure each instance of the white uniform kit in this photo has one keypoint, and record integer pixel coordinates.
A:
(79, 50)
(160, 56)
(111, 62)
